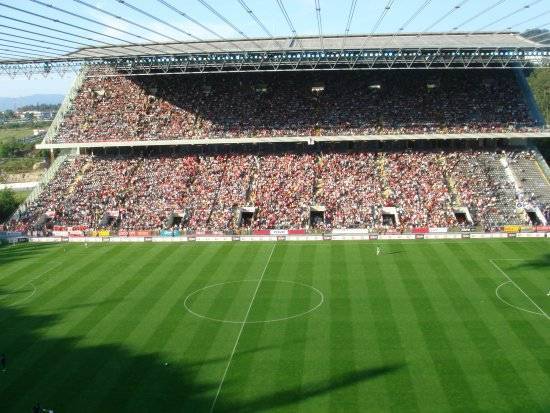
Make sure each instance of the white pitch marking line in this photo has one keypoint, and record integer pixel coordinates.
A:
(542, 312)
(28, 297)
(319, 293)
(241, 330)
(4, 296)
(512, 305)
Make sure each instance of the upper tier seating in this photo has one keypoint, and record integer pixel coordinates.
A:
(151, 108)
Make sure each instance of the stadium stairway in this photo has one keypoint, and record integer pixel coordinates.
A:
(318, 184)
(532, 179)
(250, 188)
(382, 175)
(79, 177)
(506, 194)
(450, 184)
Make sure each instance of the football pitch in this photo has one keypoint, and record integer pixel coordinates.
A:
(430, 326)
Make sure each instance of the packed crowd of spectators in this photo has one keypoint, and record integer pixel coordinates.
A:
(294, 104)
(156, 190)
(418, 189)
(349, 186)
(347, 189)
(220, 188)
(283, 190)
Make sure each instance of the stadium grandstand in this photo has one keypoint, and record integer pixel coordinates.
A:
(263, 144)
(177, 136)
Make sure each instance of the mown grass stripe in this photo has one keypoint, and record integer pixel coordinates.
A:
(127, 375)
(87, 324)
(34, 359)
(375, 394)
(245, 368)
(75, 364)
(291, 360)
(62, 277)
(239, 362)
(248, 266)
(341, 330)
(157, 340)
(528, 364)
(483, 350)
(19, 271)
(447, 365)
(312, 352)
(387, 308)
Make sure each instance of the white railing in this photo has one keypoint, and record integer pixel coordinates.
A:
(44, 180)
(65, 107)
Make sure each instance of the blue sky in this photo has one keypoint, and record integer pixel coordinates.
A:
(491, 15)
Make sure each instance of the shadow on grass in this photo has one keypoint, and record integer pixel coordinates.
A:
(296, 395)
(394, 252)
(540, 263)
(64, 375)
(16, 252)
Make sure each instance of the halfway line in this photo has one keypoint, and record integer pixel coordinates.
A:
(241, 330)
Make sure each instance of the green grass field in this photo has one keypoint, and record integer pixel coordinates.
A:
(22, 131)
(21, 196)
(287, 327)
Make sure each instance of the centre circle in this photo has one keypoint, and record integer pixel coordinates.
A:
(273, 300)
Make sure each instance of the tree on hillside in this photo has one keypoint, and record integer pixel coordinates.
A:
(40, 107)
(539, 80)
(538, 35)
(29, 117)
(8, 204)
(11, 148)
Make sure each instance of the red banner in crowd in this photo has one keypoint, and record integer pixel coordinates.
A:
(78, 228)
(135, 233)
(420, 230)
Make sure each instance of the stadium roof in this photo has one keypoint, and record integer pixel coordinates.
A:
(39, 36)
(486, 40)
(378, 51)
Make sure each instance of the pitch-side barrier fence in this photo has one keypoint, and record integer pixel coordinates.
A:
(292, 237)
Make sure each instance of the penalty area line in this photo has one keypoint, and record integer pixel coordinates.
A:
(542, 312)
(243, 324)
